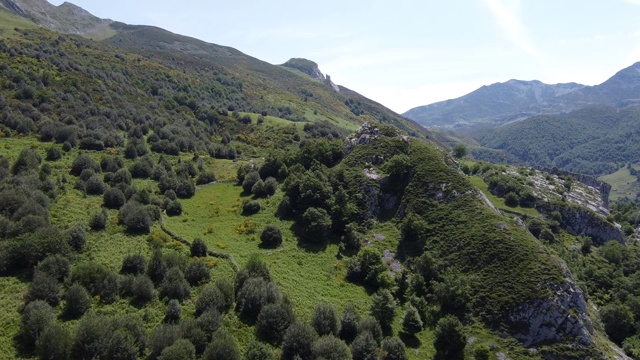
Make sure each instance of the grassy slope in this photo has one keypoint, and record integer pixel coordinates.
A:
(9, 21)
(623, 184)
(479, 183)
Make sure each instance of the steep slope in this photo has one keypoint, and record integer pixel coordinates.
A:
(490, 105)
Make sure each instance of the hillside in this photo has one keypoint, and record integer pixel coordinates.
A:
(162, 197)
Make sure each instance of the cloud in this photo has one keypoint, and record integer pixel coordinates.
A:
(512, 26)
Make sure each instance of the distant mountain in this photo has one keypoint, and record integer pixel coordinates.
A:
(495, 105)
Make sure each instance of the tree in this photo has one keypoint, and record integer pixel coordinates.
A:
(331, 348)
(258, 351)
(174, 312)
(121, 345)
(44, 287)
(164, 335)
(364, 347)
(325, 320)
(450, 340)
(210, 298)
(157, 268)
(255, 294)
(113, 198)
(298, 342)
(78, 237)
(182, 349)
(82, 162)
(271, 236)
(76, 301)
(134, 264)
(192, 332)
(222, 347)
(197, 272)
(54, 342)
(453, 292)
(226, 289)
(28, 160)
(94, 186)
(142, 289)
(411, 322)
(249, 180)
(482, 352)
(57, 266)
(210, 322)
(135, 217)
(92, 337)
(316, 224)
(459, 151)
(251, 207)
(273, 321)
(37, 315)
(383, 308)
(393, 349)
(349, 324)
(99, 220)
(175, 286)
(618, 321)
(372, 326)
(198, 248)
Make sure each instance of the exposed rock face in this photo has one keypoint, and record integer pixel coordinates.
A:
(330, 84)
(13, 7)
(311, 68)
(583, 222)
(362, 136)
(559, 317)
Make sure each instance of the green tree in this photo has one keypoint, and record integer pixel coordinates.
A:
(210, 298)
(316, 224)
(325, 320)
(364, 347)
(393, 349)
(197, 272)
(459, 151)
(222, 347)
(618, 321)
(273, 321)
(383, 308)
(175, 286)
(298, 342)
(198, 248)
(258, 351)
(349, 324)
(450, 340)
(36, 316)
(271, 236)
(411, 322)
(330, 347)
(54, 343)
(76, 301)
(180, 350)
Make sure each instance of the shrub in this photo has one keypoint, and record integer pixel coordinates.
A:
(135, 217)
(331, 348)
(78, 237)
(618, 321)
(180, 350)
(157, 268)
(258, 351)
(134, 326)
(133, 264)
(28, 160)
(205, 178)
(36, 316)
(198, 248)
(383, 308)
(364, 347)
(251, 207)
(393, 349)
(83, 162)
(197, 272)
(142, 289)
(249, 180)
(270, 186)
(44, 287)
(98, 280)
(273, 321)
(258, 189)
(122, 176)
(325, 320)
(121, 345)
(222, 347)
(76, 301)
(57, 266)
(511, 199)
(372, 326)
(483, 352)
(316, 224)
(271, 236)
(192, 332)
(210, 322)
(164, 335)
(54, 342)
(255, 294)
(174, 312)
(298, 342)
(175, 286)
(226, 289)
(349, 324)
(94, 186)
(254, 268)
(186, 189)
(53, 154)
(141, 168)
(450, 340)
(99, 220)
(174, 208)
(113, 198)
(411, 322)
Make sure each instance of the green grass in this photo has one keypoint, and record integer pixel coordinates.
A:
(12, 292)
(9, 21)
(479, 183)
(623, 184)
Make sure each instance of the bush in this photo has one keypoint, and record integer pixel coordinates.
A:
(273, 321)
(98, 280)
(255, 294)
(325, 320)
(198, 248)
(511, 199)
(411, 322)
(135, 217)
(142, 289)
(298, 342)
(258, 351)
(175, 286)
(249, 180)
(271, 236)
(180, 350)
(393, 349)
(99, 220)
(210, 321)
(383, 308)
(251, 207)
(76, 301)
(54, 342)
(36, 316)
(258, 189)
(364, 347)
(174, 208)
(226, 289)
(113, 198)
(186, 189)
(44, 287)
(122, 176)
(372, 326)
(197, 272)
(331, 348)
(618, 321)
(53, 154)
(121, 345)
(222, 347)
(134, 264)
(270, 186)
(94, 186)
(141, 168)
(192, 332)
(450, 340)
(255, 268)
(205, 178)
(210, 298)
(28, 160)
(174, 312)
(157, 268)
(164, 335)
(349, 324)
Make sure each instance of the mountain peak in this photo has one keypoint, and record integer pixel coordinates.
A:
(306, 66)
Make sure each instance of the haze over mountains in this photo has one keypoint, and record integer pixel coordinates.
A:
(501, 103)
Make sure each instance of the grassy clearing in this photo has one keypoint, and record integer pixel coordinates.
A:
(479, 183)
(9, 21)
(12, 291)
(623, 184)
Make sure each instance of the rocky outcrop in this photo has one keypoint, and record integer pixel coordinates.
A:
(364, 135)
(561, 316)
(579, 221)
(13, 7)
(330, 84)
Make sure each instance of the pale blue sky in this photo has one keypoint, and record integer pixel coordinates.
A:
(407, 53)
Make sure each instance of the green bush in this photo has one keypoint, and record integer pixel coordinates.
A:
(251, 207)
(210, 298)
(450, 340)
(76, 301)
(157, 268)
(54, 342)
(135, 217)
(411, 321)
(364, 347)
(349, 324)
(173, 312)
(271, 236)
(174, 285)
(198, 248)
(298, 342)
(273, 321)
(226, 289)
(121, 345)
(393, 349)
(57, 266)
(258, 351)
(325, 320)
(249, 180)
(197, 272)
(142, 289)
(113, 198)
(78, 237)
(180, 350)
(83, 162)
(370, 325)
(134, 264)
(163, 336)
(222, 347)
(210, 321)
(44, 287)
(36, 316)
(92, 337)
(316, 225)
(330, 347)
(99, 220)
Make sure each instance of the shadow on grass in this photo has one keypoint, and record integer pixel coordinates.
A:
(410, 340)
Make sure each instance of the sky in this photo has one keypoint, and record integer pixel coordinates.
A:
(407, 53)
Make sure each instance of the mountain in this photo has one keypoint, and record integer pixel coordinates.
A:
(498, 104)
(155, 186)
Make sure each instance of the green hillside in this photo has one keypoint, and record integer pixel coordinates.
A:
(161, 198)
